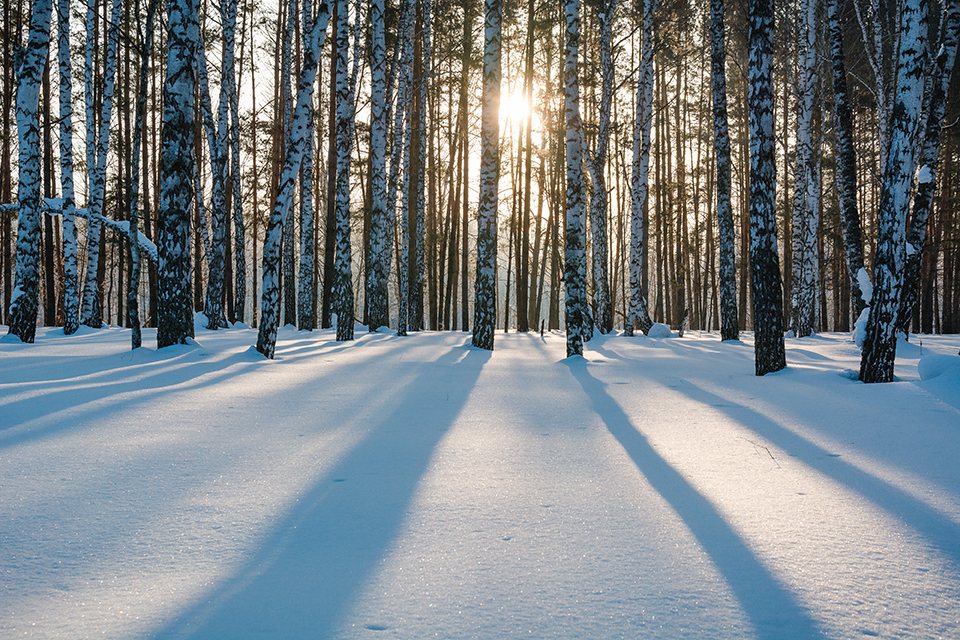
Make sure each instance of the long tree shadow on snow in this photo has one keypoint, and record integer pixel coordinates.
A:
(310, 568)
(772, 609)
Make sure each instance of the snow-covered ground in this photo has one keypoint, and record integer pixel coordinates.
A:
(415, 487)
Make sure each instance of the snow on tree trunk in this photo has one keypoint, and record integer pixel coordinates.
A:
(133, 236)
(638, 315)
(846, 160)
(595, 164)
(30, 62)
(485, 297)
(306, 289)
(376, 283)
(729, 325)
(880, 341)
(175, 304)
(575, 232)
(764, 260)
(806, 211)
(922, 202)
(343, 283)
(91, 313)
(270, 298)
(71, 293)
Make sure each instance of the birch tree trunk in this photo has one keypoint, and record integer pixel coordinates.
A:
(31, 59)
(638, 315)
(91, 313)
(239, 231)
(270, 305)
(846, 160)
(175, 307)
(806, 212)
(764, 261)
(379, 249)
(71, 293)
(306, 288)
(596, 163)
(485, 296)
(729, 323)
(343, 285)
(880, 341)
(575, 232)
(922, 203)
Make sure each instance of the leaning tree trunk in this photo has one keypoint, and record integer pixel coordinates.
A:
(379, 248)
(26, 294)
(270, 305)
(175, 304)
(71, 293)
(729, 323)
(764, 260)
(343, 284)
(596, 164)
(638, 316)
(806, 212)
(485, 297)
(846, 159)
(922, 203)
(880, 340)
(575, 233)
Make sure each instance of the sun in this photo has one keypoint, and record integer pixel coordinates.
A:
(514, 107)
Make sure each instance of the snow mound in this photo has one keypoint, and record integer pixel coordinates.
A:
(10, 338)
(933, 366)
(659, 330)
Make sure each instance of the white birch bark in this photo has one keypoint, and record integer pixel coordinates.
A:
(575, 231)
(270, 301)
(638, 315)
(71, 292)
(343, 282)
(485, 297)
(91, 313)
(376, 283)
(24, 301)
(880, 342)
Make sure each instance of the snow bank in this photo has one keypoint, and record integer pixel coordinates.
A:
(932, 366)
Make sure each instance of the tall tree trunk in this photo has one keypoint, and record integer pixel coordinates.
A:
(343, 284)
(485, 298)
(379, 249)
(71, 297)
(270, 311)
(880, 341)
(307, 290)
(764, 261)
(26, 296)
(175, 310)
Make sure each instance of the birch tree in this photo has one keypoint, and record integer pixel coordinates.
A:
(71, 293)
(379, 248)
(343, 284)
(764, 260)
(729, 327)
(306, 287)
(30, 62)
(485, 298)
(175, 305)
(575, 259)
(596, 164)
(638, 316)
(270, 303)
(97, 146)
(880, 341)
(403, 133)
(806, 210)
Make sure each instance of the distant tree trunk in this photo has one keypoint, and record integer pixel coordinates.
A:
(26, 296)
(846, 160)
(729, 327)
(91, 313)
(922, 203)
(575, 232)
(806, 212)
(71, 294)
(596, 164)
(638, 316)
(175, 308)
(239, 230)
(880, 340)
(764, 260)
(485, 299)
(289, 278)
(133, 289)
(270, 311)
